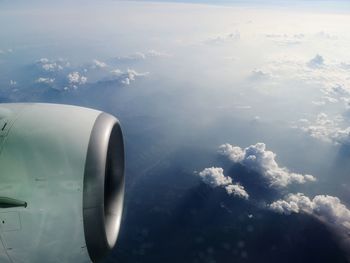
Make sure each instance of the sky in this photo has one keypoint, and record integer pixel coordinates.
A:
(263, 86)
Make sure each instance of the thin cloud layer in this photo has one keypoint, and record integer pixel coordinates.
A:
(258, 74)
(6, 51)
(48, 81)
(286, 39)
(13, 83)
(258, 159)
(98, 64)
(327, 129)
(220, 39)
(137, 56)
(214, 177)
(329, 208)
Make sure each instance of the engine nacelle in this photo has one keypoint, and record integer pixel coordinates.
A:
(61, 183)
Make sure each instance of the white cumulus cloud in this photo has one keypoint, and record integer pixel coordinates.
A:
(126, 77)
(76, 78)
(214, 177)
(237, 190)
(131, 74)
(257, 158)
(327, 207)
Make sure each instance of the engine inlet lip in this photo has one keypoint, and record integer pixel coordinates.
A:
(103, 186)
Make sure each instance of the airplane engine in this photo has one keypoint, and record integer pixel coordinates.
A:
(61, 183)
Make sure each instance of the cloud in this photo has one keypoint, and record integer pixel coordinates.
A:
(327, 207)
(131, 75)
(258, 74)
(318, 102)
(13, 83)
(331, 78)
(7, 51)
(116, 72)
(338, 89)
(137, 56)
(316, 62)
(326, 35)
(237, 190)
(75, 78)
(61, 76)
(128, 76)
(215, 177)
(262, 161)
(345, 65)
(52, 65)
(98, 64)
(243, 107)
(286, 39)
(50, 77)
(327, 129)
(292, 204)
(336, 92)
(235, 36)
(155, 53)
(45, 80)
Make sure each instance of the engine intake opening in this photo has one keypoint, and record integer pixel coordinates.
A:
(114, 185)
(103, 186)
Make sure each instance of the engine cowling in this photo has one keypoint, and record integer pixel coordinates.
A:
(61, 183)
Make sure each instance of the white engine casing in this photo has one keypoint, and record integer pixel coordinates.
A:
(61, 183)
